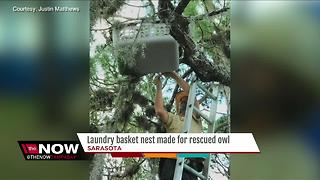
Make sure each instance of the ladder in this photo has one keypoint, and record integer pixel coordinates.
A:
(180, 165)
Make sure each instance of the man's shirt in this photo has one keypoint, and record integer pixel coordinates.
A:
(176, 122)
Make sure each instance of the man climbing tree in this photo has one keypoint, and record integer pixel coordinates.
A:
(174, 124)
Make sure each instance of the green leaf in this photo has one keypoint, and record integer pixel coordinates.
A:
(191, 9)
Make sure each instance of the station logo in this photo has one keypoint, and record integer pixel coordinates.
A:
(52, 150)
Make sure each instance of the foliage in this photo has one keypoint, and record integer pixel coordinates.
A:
(126, 56)
(191, 9)
(222, 125)
(122, 100)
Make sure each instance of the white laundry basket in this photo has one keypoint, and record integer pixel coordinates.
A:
(154, 49)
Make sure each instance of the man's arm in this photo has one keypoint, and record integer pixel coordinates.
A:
(182, 83)
(158, 103)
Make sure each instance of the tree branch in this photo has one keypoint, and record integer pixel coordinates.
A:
(164, 8)
(207, 71)
(181, 6)
(204, 68)
(132, 5)
(213, 13)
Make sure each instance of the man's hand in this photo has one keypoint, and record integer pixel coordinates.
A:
(182, 83)
(157, 80)
(158, 102)
(172, 74)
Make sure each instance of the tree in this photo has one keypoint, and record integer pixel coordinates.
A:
(124, 103)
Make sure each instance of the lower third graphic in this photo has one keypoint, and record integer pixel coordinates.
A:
(52, 150)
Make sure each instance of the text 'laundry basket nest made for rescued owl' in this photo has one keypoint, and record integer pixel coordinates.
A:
(145, 48)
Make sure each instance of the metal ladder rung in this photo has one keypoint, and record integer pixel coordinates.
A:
(180, 165)
(206, 91)
(202, 115)
(196, 173)
(179, 169)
